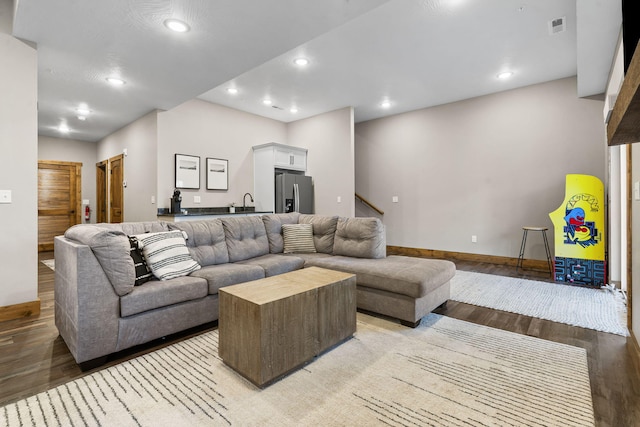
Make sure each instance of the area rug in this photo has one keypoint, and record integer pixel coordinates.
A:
(599, 309)
(445, 372)
(51, 263)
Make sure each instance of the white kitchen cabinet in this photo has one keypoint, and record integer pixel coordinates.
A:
(266, 159)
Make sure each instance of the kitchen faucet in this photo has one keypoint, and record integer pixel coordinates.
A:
(244, 200)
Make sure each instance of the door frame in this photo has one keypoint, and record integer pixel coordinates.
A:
(103, 188)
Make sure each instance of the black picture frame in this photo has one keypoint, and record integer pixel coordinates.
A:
(217, 174)
(187, 171)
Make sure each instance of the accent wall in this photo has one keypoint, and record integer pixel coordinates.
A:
(481, 167)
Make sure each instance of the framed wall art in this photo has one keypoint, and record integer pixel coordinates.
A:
(217, 174)
(187, 171)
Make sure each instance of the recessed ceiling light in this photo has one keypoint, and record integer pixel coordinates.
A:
(83, 118)
(64, 128)
(232, 90)
(176, 25)
(267, 101)
(83, 111)
(505, 75)
(385, 104)
(115, 81)
(293, 110)
(301, 62)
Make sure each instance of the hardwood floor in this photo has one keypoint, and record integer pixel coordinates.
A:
(33, 358)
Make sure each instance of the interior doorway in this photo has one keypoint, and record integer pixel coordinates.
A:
(101, 191)
(116, 187)
(110, 190)
(59, 199)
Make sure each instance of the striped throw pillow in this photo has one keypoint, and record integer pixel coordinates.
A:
(298, 238)
(166, 254)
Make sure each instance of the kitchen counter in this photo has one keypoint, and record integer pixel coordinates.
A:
(195, 214)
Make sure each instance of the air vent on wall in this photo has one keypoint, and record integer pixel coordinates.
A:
(557, 25)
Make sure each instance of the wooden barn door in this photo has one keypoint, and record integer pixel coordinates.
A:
(59, 199)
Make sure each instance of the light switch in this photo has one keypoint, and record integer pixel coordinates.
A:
(196, 199)
(153, 200)
(395, 199)
(5, 196)
(339, 199)
(636, 190)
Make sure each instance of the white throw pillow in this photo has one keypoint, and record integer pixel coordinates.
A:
(166, 254)
(298, 238)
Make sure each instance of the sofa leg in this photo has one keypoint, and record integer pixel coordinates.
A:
(409, 324)
(93, 363)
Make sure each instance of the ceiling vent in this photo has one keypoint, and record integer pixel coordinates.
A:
(557, 25)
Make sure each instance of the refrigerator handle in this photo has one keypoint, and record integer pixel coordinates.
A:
(296, 197)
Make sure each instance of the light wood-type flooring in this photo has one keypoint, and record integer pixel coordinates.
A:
(34, 358)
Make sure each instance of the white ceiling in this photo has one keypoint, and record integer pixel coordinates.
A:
(414, 53)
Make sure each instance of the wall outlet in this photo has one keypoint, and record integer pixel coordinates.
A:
(196, 199)
(474, 239)
(153, 200)
(394, 199)
(5, 196)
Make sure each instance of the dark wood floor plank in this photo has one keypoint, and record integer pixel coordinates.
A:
(33, 357)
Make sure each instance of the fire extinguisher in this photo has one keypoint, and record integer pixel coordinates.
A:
(87, 213)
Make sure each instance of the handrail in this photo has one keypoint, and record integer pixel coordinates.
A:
(368, 203)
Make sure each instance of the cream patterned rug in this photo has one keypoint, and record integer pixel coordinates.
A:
(446, 372)
(598, 309)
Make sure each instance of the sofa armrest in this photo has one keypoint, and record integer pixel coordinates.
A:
(87, 309)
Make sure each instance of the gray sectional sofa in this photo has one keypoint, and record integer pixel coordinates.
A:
(100, 311)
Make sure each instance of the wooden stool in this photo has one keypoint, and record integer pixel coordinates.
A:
(524, 242)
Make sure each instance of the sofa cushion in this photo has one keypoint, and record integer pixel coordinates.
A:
(414, 277)
(221, 275)
(111, 248)
(245, 237)
(142, 271)
(324, 230)
(131, 228)
(298, 238)
(166, 254)
(206, 242)
(273, 225)
(161, 293)
(274, 264)
(360, 238)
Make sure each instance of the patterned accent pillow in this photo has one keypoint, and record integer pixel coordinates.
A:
(298, 238)
(143, 273)
(167, 254)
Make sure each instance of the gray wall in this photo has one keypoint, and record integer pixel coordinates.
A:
(18, 165)
(69, 150)
(485, 166)
(330, 141)
(200, 128)
(140, 165)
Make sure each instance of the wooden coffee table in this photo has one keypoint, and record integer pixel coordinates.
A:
(272, 326)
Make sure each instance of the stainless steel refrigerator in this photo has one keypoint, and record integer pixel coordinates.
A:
(294, 193)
